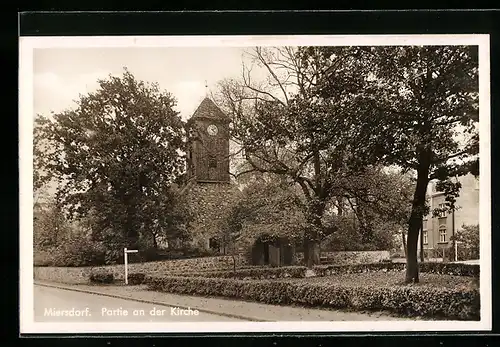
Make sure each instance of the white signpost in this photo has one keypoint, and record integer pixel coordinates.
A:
(125, 255)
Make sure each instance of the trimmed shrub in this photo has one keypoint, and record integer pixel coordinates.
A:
(455, 269)
(404, 300)
(252, 273)
(136, 278)
(328, 270)
(101, 277)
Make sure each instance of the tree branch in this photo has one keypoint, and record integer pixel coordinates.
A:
(263, 61)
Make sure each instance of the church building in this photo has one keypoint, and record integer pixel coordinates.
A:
(210, 189)
(209, 186)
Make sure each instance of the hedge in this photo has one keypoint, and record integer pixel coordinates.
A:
(456, 269)
(101, 277)
(136, 278)
(252, 273)
(404, 300)
(326, 270)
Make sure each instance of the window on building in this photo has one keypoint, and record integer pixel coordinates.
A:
(442, 233)
(425, 237)
(442, 213)
(212, 162)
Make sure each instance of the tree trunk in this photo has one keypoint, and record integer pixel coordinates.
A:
(155, 243)
(306, 250)
(314, 255)
(234, 263)
(315, 213)
(311, 253)
(340, 203)
(411, 257)
(403, 236)
(453, 242)
(312, 235)
(421, 241)
(418, 206)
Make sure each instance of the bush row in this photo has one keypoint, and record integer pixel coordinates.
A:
(456, 269)
(262, 273)
(251, 273)
(327, 270)
(101, 277)
(108, 277)
(136, 278)
(404, 300)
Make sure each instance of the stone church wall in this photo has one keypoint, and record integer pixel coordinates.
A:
(209, 203)
(350, 257)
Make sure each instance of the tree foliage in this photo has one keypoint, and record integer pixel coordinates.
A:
(327, 115)
(425, 104)
(268, 207)
(468, 236)
(285, 129)
(116, 155)
(60, 242)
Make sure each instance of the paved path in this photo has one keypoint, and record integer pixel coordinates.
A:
(60, 305)
(218, 308)
(403, 260)
(470, 262)
(437, 260)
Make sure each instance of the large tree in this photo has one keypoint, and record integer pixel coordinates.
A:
(425, 103)
(284, 128)
(116, 155)
(431, 95)
(268, 206)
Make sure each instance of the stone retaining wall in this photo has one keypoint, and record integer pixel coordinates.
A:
(77, 275)
(345, 258)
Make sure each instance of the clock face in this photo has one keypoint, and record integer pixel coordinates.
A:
(212, 130)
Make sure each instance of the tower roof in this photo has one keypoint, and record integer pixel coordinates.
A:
(209, 110)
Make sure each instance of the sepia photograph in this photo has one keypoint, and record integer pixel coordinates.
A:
(255, 184)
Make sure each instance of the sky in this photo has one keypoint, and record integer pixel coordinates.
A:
(61, 74)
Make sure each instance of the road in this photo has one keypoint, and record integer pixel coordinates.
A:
(59, 305)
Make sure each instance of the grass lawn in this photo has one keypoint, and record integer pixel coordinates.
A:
(394, 278)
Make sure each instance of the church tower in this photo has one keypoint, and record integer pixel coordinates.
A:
(209, 188)
(208, 154)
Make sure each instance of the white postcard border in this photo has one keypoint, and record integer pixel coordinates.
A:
(28, 44)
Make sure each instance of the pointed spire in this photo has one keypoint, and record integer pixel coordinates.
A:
(208, 109)
(206, 89)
